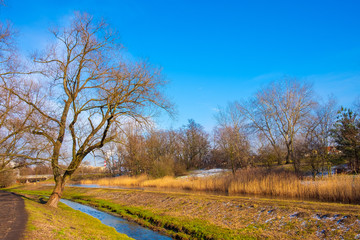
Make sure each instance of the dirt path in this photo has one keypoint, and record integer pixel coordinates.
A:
(13, 216)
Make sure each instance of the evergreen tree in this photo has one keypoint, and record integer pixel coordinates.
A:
(347, 137)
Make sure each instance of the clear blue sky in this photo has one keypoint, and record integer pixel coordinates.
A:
(213, 52)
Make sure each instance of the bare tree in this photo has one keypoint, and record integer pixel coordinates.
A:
(232, 139)
(8, 52)
(160, 153)
(154, 152)
(18, 147)
(235, 146)
(134, 151)
(174, 151)
(317, 134)
(91, 90)
(261, 121)
(194, 145)
(280, 111)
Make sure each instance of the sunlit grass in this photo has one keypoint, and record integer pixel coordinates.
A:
(64, 223)
(118, 181)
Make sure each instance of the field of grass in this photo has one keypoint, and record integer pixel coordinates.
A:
(337, 188)
(177, 227)
(194, 216)
(46, 223)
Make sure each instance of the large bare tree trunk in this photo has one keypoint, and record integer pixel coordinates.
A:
(288, 157)
(57, 192)
(278, 154)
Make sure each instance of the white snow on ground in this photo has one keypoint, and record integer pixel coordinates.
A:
(206, 173)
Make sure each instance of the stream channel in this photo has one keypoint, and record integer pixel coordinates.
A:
(121, 225)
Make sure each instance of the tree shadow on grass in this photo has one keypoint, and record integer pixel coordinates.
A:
(36, 198)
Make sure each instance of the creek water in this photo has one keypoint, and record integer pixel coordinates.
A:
(121, 225)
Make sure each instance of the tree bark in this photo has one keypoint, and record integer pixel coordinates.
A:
(57, 192)
(288, 154)
(278, 155)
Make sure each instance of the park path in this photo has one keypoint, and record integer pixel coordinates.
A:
(13, 216)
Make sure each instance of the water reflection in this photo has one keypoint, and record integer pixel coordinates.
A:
(131, 229)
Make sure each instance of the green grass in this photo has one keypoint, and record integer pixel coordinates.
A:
(178, 228)
(63, 222)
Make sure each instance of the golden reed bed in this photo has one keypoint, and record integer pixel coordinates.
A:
(339, 188)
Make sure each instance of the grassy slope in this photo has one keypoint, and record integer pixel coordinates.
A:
(63, 223)
(218, 217)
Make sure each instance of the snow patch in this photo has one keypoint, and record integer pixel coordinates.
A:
(206, 173)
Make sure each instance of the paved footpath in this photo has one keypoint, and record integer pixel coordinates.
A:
(13, 216)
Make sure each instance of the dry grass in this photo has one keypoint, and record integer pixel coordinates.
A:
(118, 181)
(259, 218)
(340, 188)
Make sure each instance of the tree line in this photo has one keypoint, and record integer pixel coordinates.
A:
(280, 124)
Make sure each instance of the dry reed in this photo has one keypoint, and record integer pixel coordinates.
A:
(340, 188)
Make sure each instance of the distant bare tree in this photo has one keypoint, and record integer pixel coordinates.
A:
(265, 152)
(194, 144)
(154, 152)
(134, 151)
(235, 146)
(317, 133)
(261, 120)
(280, 111)
(160, 154)
(231, 138)
(174, 150)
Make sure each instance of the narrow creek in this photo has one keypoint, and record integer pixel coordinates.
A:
(121, 225)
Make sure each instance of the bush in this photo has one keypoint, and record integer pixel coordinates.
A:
(7, 178)
(163, 167)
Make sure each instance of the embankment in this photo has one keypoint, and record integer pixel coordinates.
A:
(194, 216)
